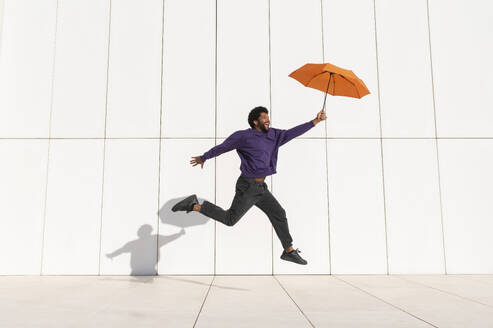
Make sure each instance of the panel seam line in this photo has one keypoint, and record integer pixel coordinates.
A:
(160, 138)
(104, 134)
(381, 139)
(52, 92)
(436, 138)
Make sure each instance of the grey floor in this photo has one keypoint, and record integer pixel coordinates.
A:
(247, 301)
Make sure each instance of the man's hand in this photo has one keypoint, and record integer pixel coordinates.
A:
(320, 117)
(196, 160)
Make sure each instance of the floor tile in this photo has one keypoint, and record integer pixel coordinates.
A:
(329, 302)
(457, 285)
(436, 307)
(249, 301)
(102, 301)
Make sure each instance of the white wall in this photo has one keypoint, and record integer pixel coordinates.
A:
(103, 103)
(26, 68)
(1, 21)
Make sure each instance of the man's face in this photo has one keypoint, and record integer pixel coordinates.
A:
(263, 122)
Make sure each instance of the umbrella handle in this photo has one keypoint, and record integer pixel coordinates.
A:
(326, 91)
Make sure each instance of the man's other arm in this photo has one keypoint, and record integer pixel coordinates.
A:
(230, 143)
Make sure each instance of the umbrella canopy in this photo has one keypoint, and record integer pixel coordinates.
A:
(330, 79)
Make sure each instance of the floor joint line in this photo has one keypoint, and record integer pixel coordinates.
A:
(299, 308)
(384, 301)
(203, 302)
(445, 292)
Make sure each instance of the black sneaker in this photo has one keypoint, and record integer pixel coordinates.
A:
(293, 256)
(186, 204)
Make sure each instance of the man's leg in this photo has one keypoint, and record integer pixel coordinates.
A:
(244, 199)
(277, 216)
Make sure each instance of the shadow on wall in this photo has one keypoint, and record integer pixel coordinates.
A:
(180, 218)
(142, 262)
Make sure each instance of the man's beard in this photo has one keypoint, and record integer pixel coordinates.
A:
(263, 128)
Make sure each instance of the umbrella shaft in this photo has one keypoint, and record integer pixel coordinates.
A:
(326, 91)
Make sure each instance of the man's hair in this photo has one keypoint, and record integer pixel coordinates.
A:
(255, 114)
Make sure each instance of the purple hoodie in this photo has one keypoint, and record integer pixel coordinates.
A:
(257, 149)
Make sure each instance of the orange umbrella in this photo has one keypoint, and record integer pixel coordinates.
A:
(330, 79)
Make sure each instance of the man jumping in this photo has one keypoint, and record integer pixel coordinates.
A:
(257, 148)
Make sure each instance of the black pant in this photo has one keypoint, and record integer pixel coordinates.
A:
(250, 192)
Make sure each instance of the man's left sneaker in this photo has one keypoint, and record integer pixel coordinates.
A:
(293, 256)
(186, 204)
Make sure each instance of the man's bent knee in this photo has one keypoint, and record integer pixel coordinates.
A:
(233, 218)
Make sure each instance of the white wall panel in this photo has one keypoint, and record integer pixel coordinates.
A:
(80, 69)
(292, 22)
(73, 208)
(467, 191)
(404, 69)
(243, 62)
(130, 207)
(413, 207)
(243, 83)
(189, 68)
(349, 42)
(301, 189)
(134, 89)
(26, 65)
(462, 67)
(192, 252)
(22, 196)
(1, 22)
(357, 226)
(246, 247)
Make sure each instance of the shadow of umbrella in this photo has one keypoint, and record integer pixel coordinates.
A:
(181, 219)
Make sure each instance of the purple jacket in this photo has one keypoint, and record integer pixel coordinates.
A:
(257, 149)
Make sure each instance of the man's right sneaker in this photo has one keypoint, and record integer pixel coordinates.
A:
(293, 256)
(186, 204)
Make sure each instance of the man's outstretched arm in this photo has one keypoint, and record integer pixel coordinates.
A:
(287, 135)
(230, 143)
